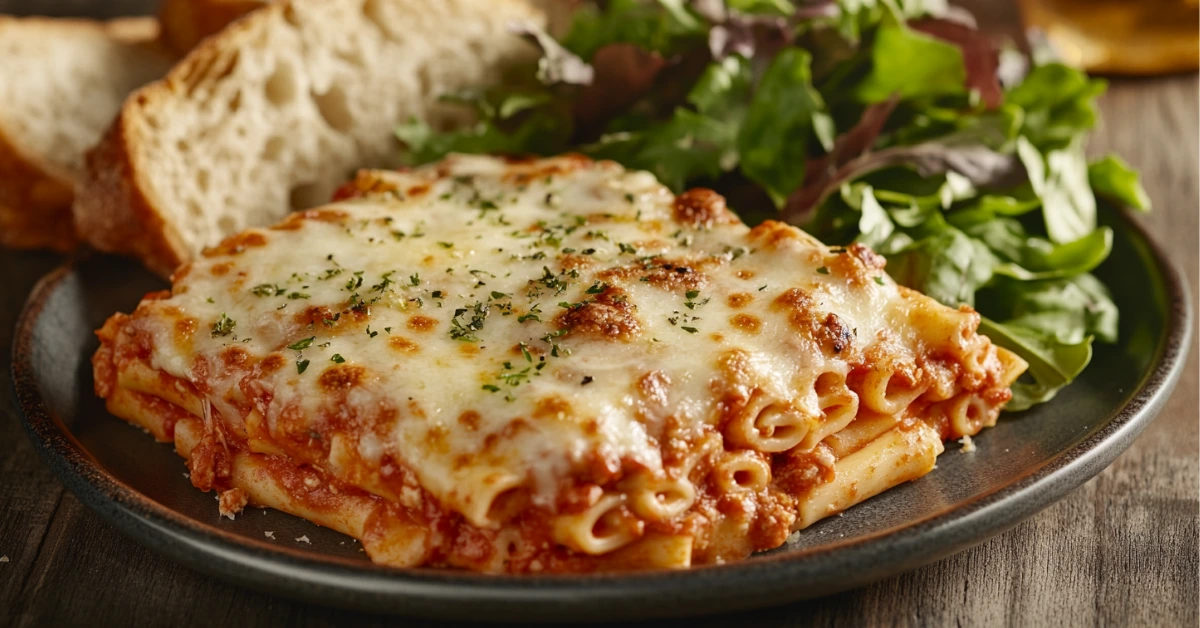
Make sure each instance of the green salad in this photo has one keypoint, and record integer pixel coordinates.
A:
(895, 123)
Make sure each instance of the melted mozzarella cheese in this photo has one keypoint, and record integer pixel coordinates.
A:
(488, 323)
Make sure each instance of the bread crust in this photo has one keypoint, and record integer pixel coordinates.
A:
(112, 210)
(35, 202)
(35, 194)
(116, 210)
(185, 23)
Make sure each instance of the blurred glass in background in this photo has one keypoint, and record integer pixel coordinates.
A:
(1120, 36)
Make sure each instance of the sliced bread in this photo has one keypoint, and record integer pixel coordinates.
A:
(61, 84)
(273, 113)
(186, 22)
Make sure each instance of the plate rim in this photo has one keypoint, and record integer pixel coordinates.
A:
(758, 582)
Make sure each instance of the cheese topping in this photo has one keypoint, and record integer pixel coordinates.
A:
(487, 325)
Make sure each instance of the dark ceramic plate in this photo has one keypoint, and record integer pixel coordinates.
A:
(1022, 465)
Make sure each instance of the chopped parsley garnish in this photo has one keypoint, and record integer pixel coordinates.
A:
(532, 315)
(691, 294)
(879, 280)
(301, 365)
(446, 245)
(823, 270)
(370, 333)
(385, 282)
(690, 330)
(627, 248)
(465, 330)
(415, 279)
(597, 287)
(267, 290)
(224, 326)
(337, 358)
(298, 295)
(302, 344)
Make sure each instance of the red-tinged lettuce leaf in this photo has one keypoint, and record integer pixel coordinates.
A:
(980, 56)
(848, 146)
(772, 140)
(980, 165)
(624, 74)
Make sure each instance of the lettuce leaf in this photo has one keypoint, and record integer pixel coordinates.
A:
(878, 121)
(773, 139)
(1113, 179)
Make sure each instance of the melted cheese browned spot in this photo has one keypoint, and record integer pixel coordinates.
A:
(671, 275)
(858, 264)
(272, 363)
(236, 244)
(608, 315)
(234, 357)
(739, 300)
(701, 208)
(829, 331)
(422, 323)
(185, 328)
(469, 420)
(748, 323)
(400, 343)
(342, 377)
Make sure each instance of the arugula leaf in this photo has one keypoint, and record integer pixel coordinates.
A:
(692, 144)
(724, 87)
(646, 24)
(1112, 178)
(510, 121)
(1070, 258)
(874, 225)
(911, 64)
(1058, 102)
(949, 266)
(687, 147)
(1052, 363)
(1060, 179)
(975, 163)
(981, 60)
(1069, 309)
(773, 136)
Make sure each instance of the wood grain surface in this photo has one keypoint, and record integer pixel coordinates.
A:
(1121, 550)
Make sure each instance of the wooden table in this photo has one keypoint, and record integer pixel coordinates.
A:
(1121, 550)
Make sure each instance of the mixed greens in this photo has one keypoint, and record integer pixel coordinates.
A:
(890, 122)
